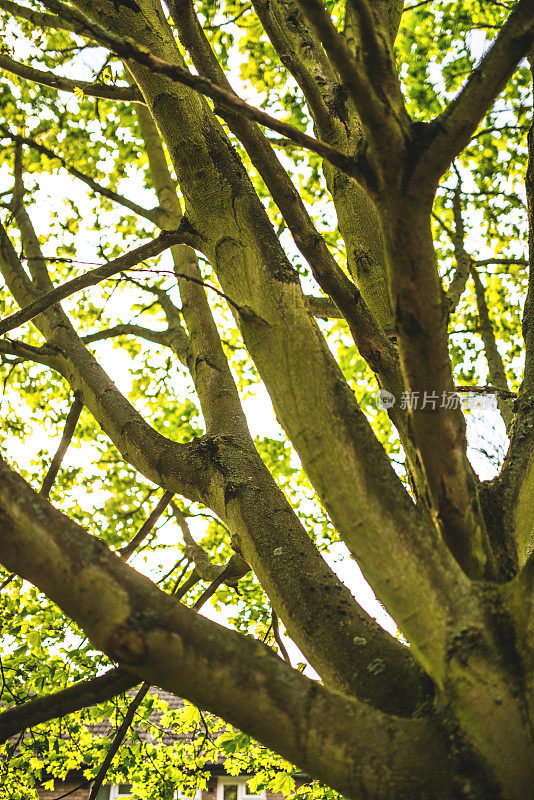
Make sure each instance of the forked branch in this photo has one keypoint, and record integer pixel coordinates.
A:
(165, 240)
(169, 645)
(453, 129)
(381, 110)
(147, 213)
(130, 51)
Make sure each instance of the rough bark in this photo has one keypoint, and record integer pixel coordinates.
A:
(436, 573)
(334, 652)
(170, 646)
(518, 470)
(283, 340)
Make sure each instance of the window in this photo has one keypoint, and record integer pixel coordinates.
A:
(178, 795)
(229, 788)
(120, 791)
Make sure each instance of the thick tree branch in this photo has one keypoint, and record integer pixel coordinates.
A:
(294, 591)
(230, 573)
(421, 310)
(129, 50)
(518, 470)
(125, 615)
(461, 632)
(83, 694)
(451, 131)
(46, 78)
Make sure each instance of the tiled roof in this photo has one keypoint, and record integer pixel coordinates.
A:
(105, 727)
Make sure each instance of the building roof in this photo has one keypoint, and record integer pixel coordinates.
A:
(139, 725)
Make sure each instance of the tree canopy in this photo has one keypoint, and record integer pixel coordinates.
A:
(225, 227)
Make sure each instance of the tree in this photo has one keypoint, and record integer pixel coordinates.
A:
(412, 145)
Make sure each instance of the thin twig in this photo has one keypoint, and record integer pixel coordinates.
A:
(486, 390)
(463, 259)
(277, 637)
(118, 739)
(68, 432)
(417, 5)
(7, 581)
(191, 581)
(147, 526)
(212, 588)
(167, 574)
(37, 18)
(150, 214)
(71, 791)
(198, 281)
(127, 261)
(47, 78)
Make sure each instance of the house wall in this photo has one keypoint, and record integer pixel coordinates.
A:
(61, 788)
